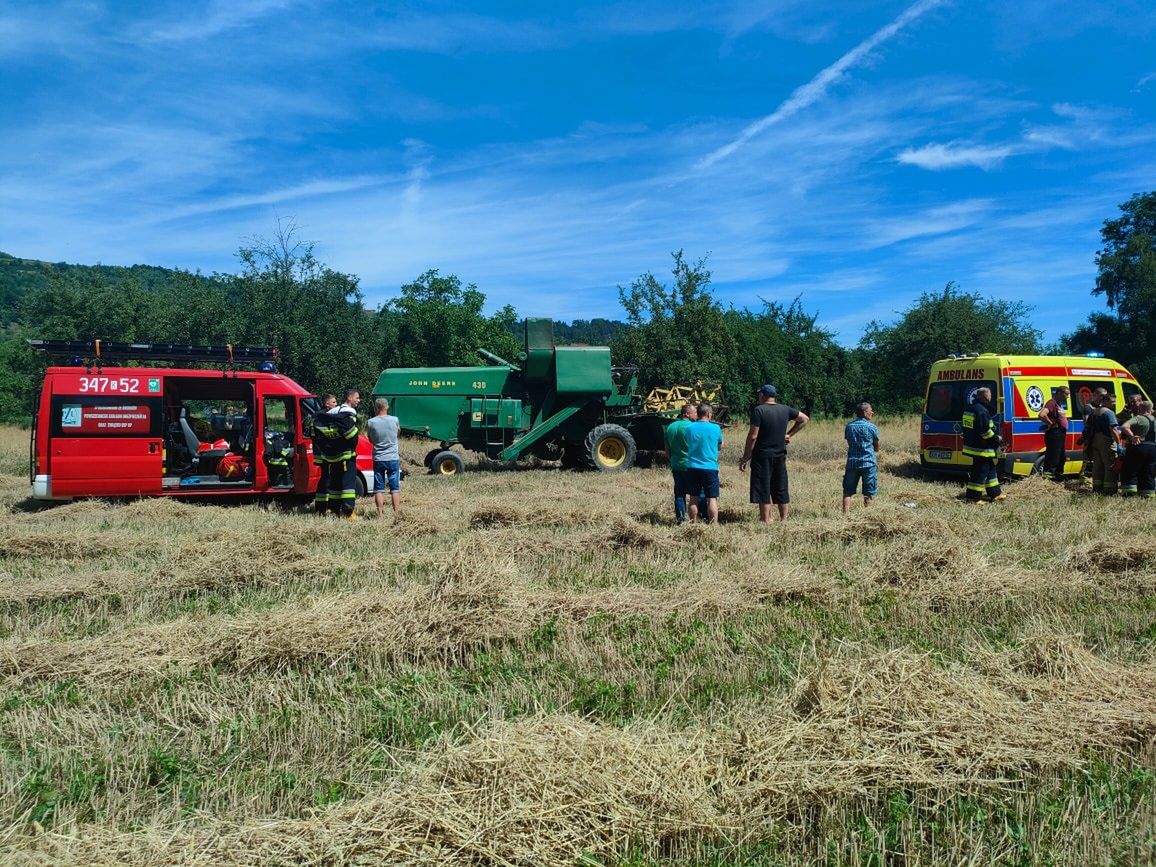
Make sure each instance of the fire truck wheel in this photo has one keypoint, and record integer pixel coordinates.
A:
(359, 485)
(447, 463)
(429, 458)
(610, 448)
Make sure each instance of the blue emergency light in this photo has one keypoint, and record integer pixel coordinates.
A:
(1094, 354)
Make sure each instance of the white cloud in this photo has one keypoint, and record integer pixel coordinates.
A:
(222, 16)
(932, 221)
(937, 157)
(815, 89)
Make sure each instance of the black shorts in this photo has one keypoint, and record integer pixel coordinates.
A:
(769, 480)
(702, 483)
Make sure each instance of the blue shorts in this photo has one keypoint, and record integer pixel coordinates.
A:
(851, 477)
(702, 483)
(681, 483)
(384, 471)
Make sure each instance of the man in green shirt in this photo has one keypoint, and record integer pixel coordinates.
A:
(676, 450)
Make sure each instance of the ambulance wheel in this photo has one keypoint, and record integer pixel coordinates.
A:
(1038, 466)
(611, 448)
(359, 485)
(429, 458)
(447, 463)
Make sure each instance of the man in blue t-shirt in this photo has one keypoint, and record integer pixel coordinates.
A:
(703, 440)
(862, 448)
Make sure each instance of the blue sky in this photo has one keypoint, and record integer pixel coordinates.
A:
(855, 154)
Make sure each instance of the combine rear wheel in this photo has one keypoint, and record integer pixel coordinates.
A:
(610, 448)
(447, 463)
(430, 455)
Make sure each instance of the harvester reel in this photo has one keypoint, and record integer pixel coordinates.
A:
(671, 400)
(610, 448)
(447, 463)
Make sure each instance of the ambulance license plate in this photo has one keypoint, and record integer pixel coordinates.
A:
(939, 454)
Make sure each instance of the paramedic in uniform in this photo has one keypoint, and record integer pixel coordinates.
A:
(980, 441)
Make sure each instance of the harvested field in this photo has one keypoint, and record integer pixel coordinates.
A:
(541, 668)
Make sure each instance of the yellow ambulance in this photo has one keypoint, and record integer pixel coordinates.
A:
(1020, 386)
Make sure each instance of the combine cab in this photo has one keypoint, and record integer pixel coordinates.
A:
(561, 403)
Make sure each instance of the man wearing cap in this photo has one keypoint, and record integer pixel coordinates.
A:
(766, 452)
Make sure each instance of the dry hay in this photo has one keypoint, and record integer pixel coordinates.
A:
(627, 533)
(74, 585)
(74, 544)
(213, 561)
(475, 600)
(498, 513)
(555, 788)
(1119, 556)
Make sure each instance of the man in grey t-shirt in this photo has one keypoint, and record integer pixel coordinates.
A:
(382, 432)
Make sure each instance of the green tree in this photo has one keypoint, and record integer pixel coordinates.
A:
(314, 316)
(1127, 280)
(438, 322)
(895, 358)
(786, 347)
(675, 334)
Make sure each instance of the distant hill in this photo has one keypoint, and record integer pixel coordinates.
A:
(588, 332)
(20, 276)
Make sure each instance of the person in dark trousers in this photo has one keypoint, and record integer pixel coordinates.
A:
(703, 440)
(335, 450)
(1104, 434)
(980, 441)
(1138, 476)
(1055, 416)
(766, 452)
(675, 438)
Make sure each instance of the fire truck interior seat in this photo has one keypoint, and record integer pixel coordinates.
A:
(189, 453)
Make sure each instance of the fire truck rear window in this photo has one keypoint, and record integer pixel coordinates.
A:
(104, 416)
(946, 401)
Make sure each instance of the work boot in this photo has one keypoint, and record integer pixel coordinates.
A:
(999, 498)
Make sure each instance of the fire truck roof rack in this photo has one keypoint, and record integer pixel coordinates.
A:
(102, 350)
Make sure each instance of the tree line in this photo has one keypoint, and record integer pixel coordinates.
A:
(674, 331)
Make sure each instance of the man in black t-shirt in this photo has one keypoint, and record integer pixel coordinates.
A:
(766, 452)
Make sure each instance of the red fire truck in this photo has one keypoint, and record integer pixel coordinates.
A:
(106, 431)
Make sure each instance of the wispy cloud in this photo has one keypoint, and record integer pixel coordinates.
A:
(931, 221)
(1143, 81)
(815, 89)
(937, 157)
(222, 16)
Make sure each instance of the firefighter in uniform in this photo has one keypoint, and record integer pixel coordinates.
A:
(335, 450)
(278, 453)
(980, 441)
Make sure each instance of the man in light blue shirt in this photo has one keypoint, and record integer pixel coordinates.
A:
(862, 446)
(703, 440)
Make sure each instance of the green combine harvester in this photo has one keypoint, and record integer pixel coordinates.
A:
(563, 403)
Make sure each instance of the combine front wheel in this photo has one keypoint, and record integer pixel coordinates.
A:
(610, 448)
(447, 463)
